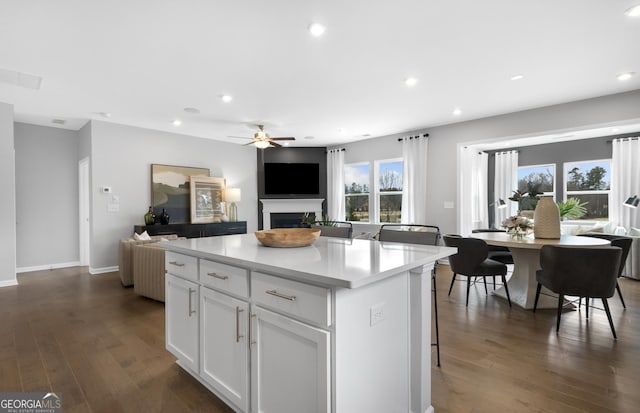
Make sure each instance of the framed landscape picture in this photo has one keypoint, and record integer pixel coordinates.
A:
(170, 190)
(206, 199)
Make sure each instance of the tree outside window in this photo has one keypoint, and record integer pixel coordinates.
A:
(356, 190)
(590, 181)
(390, 190)
(535, 180)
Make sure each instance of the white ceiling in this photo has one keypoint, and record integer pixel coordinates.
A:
(143, 61)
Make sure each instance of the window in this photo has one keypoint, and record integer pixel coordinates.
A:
(535, 179)
(590, 182)
(389, 190)
(356, 190)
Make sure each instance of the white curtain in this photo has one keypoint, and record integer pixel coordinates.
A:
(335, 185)
(625, 182)
(472, 199)
(506, 181)
(414, 180)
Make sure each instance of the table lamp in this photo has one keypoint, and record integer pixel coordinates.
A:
(232, 195)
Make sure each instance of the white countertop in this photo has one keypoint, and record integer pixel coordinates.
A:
(334, 262)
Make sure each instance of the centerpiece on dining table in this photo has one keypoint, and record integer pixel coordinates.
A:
(518, 226)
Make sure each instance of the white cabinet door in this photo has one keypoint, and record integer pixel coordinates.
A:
(181, 315)
(223, 345)
(290, 371)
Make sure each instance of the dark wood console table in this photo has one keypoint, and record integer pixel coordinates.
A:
(194, 230)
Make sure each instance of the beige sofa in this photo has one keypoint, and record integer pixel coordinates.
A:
(149, 271)
(125, 256)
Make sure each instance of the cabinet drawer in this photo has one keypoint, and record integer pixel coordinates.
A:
(291, 297)
(181, 265)
(224, 277)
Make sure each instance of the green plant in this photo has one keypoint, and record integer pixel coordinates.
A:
(326, 222)
(308, 219)
(572, 208)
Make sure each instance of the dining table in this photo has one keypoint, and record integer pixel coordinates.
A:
(526, 261)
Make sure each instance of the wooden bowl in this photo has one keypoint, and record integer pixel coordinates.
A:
(288, 237)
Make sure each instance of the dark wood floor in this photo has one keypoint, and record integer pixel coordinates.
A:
(102, 347)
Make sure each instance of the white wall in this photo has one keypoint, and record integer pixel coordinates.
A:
(8, 199)
(121, 157)
(444, 140)
(46, 197)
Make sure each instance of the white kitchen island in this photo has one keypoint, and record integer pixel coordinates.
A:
(340, 326)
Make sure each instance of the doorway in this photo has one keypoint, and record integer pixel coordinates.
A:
(84, 210)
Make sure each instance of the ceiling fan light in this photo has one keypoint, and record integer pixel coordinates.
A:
(262, 144)
(633, 11)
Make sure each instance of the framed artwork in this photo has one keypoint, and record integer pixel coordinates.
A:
(206, 199)
(170, 190)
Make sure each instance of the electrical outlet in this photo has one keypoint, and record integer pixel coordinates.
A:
(376, 314)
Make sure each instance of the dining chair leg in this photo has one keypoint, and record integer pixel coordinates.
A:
(494, 282)
(620, 295)
(586, 305)
(606, 308)
(468, 287)
(506, 288)
(435, 306)
(560, 302)
(535, 302)
(452, 280)
(484, 279)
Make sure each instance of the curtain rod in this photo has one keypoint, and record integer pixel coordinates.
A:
(413, 137)
(336, 150)
(631, 138)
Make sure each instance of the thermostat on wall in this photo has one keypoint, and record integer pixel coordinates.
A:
(106, 189)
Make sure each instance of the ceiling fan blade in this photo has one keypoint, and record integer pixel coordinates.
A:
(250, 143)
(283, 139)
(277, 145)
(238, 137)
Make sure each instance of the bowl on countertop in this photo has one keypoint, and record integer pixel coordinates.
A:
(288, 237)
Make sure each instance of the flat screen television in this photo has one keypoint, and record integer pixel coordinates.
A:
(291, 178)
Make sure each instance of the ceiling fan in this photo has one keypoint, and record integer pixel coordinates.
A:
(262, 140)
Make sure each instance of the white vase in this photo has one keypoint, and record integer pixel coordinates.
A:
(546, 219)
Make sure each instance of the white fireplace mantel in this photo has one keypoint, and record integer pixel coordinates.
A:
(289, 206)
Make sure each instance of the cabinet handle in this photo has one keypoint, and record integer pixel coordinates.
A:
(220, 277)
(251, 317)
(176, 263)
(238, 336)
(191, 291)
(280, 295)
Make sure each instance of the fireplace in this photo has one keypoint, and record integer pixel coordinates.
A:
(287, 219)
(289, 210)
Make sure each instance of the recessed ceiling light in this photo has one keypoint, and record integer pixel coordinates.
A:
(192, 110)
(226, 98)
(410, 81)
(308, 137)
(366, 135)
(103, 114)
(625, 76)
(614, 130)
(633, 11)
(457, 112)
(517, 77)
(285, 144)
(176, 122)
(58, 121)
(317, 29)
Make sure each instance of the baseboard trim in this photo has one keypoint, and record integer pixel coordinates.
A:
(8, 283)
(48, 266)
(103, 270)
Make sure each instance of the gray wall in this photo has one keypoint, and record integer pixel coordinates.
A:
(121, 158)
(442, 172)
(46, 196)
(8, 199)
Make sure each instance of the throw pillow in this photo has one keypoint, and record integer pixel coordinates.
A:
(142, 237)
(635, 232)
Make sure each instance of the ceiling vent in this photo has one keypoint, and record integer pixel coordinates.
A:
(20, 79)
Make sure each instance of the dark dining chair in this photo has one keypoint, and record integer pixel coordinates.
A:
(472, 261)
(339, 229)
(616, 241)
(416, 234)
(579, 272)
